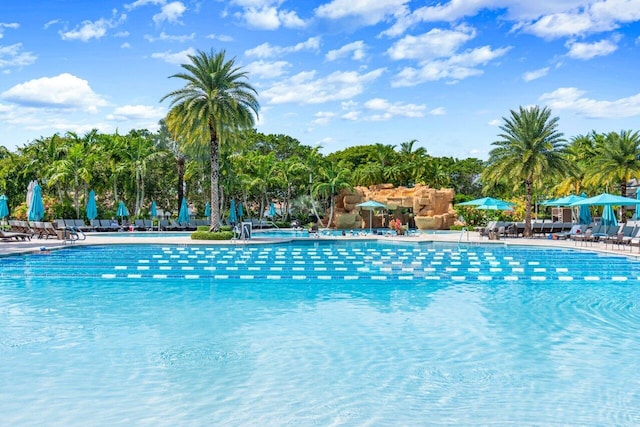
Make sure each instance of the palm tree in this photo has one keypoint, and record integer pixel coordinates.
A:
(616, 160)
(215, 100)
(333, 178)
(530, 148)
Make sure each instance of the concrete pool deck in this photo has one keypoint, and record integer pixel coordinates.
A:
(9, 247)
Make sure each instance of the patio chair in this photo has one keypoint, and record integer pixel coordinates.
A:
(587, 236)
(575, 230)
(148, 224)
(8, 235)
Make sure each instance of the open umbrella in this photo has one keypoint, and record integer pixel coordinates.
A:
(183, 215)
(370, 206)
(564, 201)
(584, 213)
(4, 207)
(36, 207)
(488, 203)
(233, 217)
(272, 210)
(91, 209)
(122, 210)
(207, 210)
(606, 199)
(154, 209)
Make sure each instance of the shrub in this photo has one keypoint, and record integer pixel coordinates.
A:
(459, 227)
(206, 235)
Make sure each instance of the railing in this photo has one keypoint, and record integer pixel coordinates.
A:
(463, 230)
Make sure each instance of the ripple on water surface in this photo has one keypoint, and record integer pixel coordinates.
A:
(319, 334)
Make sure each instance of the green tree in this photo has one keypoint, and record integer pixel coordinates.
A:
(530, 148)
(333, 178)
(616, 160)
(215, 100)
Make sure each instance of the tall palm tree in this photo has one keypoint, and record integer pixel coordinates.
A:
(530, 148)
(333, 178)
(616, 160)
(216, 100)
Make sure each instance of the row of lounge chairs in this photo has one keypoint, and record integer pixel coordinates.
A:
(23, 230)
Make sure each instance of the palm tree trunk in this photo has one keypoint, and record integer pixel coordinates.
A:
(623, 193)
(527, 207)
(180, 166)
(215, 176)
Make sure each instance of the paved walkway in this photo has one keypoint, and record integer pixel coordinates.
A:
(12, 247)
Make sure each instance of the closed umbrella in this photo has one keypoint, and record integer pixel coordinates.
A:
(584, 213)
(91, 209)
(370, 206)
(36, 207)
(122, 210)
(609, 216)
(183, 215)
(154, 209)
(207, 210)
(240, 212)
(637, 215)
(233, 217)
(4, 207)
(272, 210)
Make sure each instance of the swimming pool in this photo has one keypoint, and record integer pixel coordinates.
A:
(319, 332)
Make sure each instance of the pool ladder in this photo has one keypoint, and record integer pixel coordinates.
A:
(463, 230)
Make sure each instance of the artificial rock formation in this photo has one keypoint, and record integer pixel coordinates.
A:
(428, 208)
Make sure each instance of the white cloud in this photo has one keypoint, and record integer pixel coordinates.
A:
(137, 112)
(166, 37)
(304, 88)
(12, 25)
(323, 117)
(125, 45)
(455, 68)
(177, 58)
(535, 74)
(386, 110)
(437, 43)
(266, 50)
(573, 99)
(52, 22)
(267, 70)
(495, 122)
(351, 115)
(439, 111)
(221, 37)
(266, 15)
(88, 30)
(12, 56)
(579, 50)
(63, 91)
(370, 12)
(170, 12)
(355, 49)
(447, 12)
(140, 3)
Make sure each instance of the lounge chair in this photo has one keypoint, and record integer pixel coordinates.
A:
(8, 235)
(575, 230)
(148, 224)
(174, 226)
(587, 236)
(163, 225)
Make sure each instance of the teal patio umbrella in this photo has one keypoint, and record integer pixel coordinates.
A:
(371, 205)
(183, 215)
(4, 207)
(91, 209)
(154, 209)
(584, 213)
(606, 199)
(637, 214)
(563, 201)
(122, 210)
(240, 212)
(488, 203)
(609, 216)
(207, 210)
(272, 210)
(36, 207)
(233, 217)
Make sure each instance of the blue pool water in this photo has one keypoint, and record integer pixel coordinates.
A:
(319, 333)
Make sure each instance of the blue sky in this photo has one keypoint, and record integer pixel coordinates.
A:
(332, 73)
